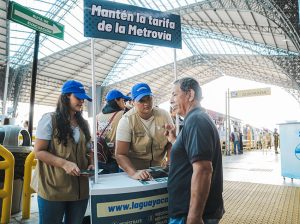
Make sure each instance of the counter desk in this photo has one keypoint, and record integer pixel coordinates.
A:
(118, 199)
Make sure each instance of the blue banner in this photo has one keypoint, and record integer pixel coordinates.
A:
(136, 207)
(116, 21)
(290, 149)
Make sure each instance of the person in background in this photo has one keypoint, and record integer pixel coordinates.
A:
(173, 116)
(268, 140)
(236, 142)
(128, 104)
(6, 121)
(260, 141)
(25, 124)
(140, 135)
(109, 119)
(62, 149)
(195, 182)
(276, 140)
(241, 150)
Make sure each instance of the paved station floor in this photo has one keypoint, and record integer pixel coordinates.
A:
(254, 191)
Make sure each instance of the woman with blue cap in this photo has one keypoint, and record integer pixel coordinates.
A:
(141, 142)
(107, 122)
(62, 149)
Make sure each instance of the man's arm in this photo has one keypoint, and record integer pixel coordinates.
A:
(122, 149)
(200, 186)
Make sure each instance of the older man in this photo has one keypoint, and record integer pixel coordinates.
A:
(141, 142)
(195, 182)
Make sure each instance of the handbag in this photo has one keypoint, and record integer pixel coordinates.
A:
(103, 153)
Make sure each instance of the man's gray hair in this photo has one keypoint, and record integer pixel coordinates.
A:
(187, 83)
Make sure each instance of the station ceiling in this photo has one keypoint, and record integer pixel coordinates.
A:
(3, 44)
(250, 39)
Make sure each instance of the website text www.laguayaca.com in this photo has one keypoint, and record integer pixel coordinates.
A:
(138, 205)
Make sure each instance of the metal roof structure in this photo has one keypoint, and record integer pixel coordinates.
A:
(3, 44)
(3, 29)
(72, 63)
(250, 39)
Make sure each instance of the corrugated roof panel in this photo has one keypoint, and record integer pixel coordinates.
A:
(217, 34)
(2, 4)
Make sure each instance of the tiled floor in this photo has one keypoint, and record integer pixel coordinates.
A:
(260, 167)
(252, 203)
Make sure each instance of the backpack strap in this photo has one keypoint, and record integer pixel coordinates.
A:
(109, 122)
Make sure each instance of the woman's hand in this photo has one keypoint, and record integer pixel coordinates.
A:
(141, 175)
(91, 167)
(71, 168)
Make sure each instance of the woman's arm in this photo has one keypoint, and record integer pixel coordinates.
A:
(124, 162)
(91, 165)
(41, 153)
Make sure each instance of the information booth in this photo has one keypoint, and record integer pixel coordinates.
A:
(117, 198)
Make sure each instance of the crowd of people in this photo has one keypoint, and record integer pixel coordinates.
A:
(140, 135)
(263, 140)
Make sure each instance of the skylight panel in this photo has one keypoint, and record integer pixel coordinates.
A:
(148, 58)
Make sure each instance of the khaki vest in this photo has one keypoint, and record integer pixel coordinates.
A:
(146, 151)
(110, 131)
(54, 184)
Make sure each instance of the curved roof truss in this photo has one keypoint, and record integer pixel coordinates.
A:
(257, 38)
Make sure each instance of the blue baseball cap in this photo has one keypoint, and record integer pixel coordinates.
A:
(72, 86)
(115, 94)
(140, 90)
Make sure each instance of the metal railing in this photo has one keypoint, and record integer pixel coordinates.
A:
(6, 193)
